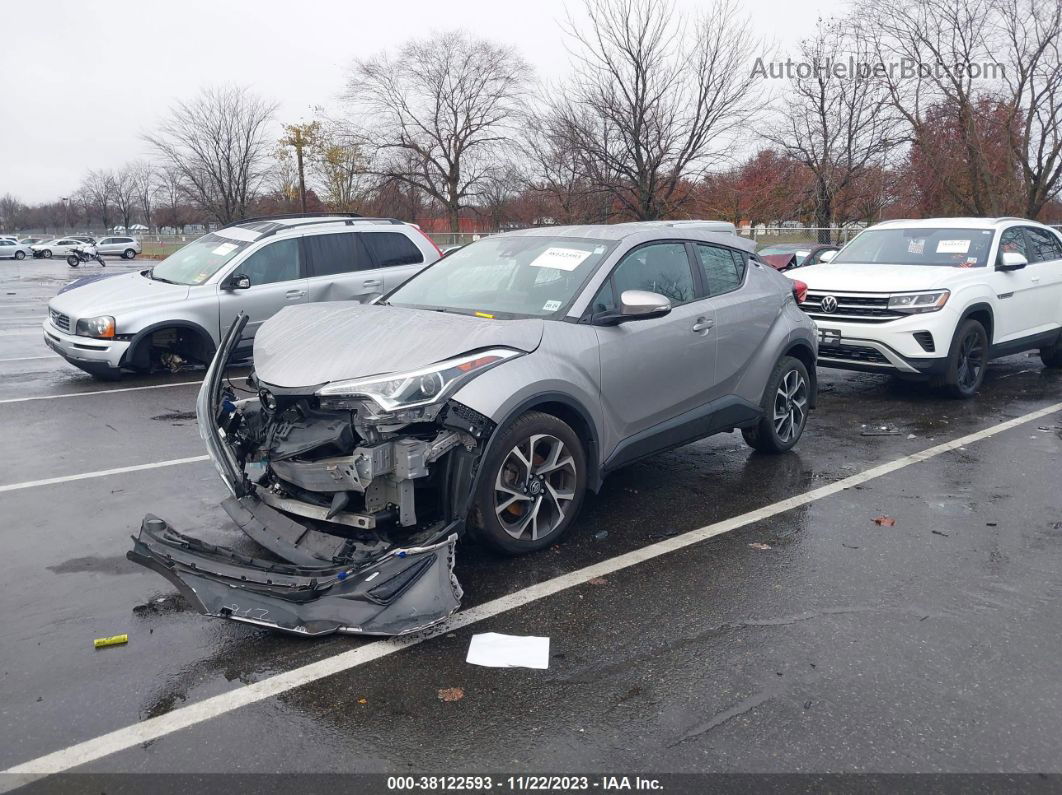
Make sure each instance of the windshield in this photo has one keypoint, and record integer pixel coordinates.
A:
(506, 276)
(199, 260)
(957, 248)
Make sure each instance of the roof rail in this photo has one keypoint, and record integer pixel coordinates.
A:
(331, 220)
(284, 216)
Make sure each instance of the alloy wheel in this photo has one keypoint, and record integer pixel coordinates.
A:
(790, 406)
(971, 361)
(535, 487)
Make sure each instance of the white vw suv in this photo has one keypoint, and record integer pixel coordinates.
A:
(936, 299)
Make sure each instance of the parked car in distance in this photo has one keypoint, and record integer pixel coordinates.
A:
(12, 249)
(782, 256)
(489, 392)
(176, 311)
(29, 241)
(124, 247)
(58, 247)
(938, 298)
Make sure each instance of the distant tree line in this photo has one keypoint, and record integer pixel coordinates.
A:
(662, 115)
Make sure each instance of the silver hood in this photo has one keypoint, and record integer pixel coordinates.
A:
(310, 345)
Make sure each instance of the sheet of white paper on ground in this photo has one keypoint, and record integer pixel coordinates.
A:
(495, 650)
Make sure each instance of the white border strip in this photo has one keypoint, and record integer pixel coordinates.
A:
(97, 392)
(102, 473)
(153, 728)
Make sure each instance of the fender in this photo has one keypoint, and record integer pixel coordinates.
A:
(980, 306)
(136, 354)
(812, 370)
(593, 466)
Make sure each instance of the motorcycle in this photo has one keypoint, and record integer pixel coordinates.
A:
(80, 254)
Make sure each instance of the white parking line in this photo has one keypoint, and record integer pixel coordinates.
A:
(30, 358)
(182, 718)
(97, 392)
(102, 473)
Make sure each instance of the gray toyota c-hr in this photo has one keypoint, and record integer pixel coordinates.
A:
(488, 393)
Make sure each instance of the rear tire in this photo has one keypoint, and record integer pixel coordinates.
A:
(531, 485)
(128, 254)
(785, 404)
(20, 255)
(967, 360)
(1052, 357)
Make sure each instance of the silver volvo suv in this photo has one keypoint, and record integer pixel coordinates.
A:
(488, 393)
(177, 311)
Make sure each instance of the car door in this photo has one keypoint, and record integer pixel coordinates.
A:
(277, 280)
(340, 268)
(744, 311)
(654, 370)
(395, 257)
(1045, 266)
(7, 249)
(1017, 313)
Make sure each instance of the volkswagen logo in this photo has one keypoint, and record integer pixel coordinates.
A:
(828, 304)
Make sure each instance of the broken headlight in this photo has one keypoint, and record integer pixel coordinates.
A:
(917, 303)
(419, 387)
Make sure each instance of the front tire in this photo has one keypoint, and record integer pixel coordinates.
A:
(967, 360)
(786, 401)
(1052, 357)
(47, 253)
(531, 485)
(128, 254)
(73, 261)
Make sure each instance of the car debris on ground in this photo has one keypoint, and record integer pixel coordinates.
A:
(495, 650)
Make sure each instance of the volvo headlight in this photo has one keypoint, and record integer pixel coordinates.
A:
(419, 387)
(917, 303)
(101, 327)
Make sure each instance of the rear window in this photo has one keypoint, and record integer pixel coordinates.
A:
(337, 253)
(392, 248)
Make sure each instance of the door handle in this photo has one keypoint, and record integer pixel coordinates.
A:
(1034, 279)
(372, 283)
(294, 294)
(702, 324)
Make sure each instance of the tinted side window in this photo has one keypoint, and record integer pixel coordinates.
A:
(391, 248)
(660, 268)
(604, 302)
(1012, 241)
(723, 268)
(277, 262)
(332, 254)
(1043, 246)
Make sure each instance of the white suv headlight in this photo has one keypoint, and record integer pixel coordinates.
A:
(419, 387)
(917, 303)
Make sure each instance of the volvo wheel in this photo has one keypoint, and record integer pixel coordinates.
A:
(785, 408)
(531, 486)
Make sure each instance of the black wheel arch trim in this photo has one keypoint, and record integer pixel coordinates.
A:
(980, 306)
(136, 353)
(812, 369)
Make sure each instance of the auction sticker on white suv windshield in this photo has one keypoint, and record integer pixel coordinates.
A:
(563, 259)
(953, 246)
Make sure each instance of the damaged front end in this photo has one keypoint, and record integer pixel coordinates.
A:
(360, 488)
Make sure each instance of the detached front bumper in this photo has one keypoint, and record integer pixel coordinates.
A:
(403, 591)
(91, 355)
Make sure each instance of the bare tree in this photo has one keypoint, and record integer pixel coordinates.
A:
(656, 99)
(145, 187)
(440, 110)
(170, 188)
(13, 213)
(839, 126)
(990, 73)
(97, 195)
(339, 167)
(220, 145)
(125, 194)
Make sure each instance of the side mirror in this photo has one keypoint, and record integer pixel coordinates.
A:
(1012, 261)
(635, 305)
(236, 282)
(827, 256)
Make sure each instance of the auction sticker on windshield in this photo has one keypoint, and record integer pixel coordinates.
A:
(564, 259)
(953, 246)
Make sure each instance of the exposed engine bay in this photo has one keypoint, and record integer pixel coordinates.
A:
(362, 505)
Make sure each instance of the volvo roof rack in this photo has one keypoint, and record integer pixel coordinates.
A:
(284, 216)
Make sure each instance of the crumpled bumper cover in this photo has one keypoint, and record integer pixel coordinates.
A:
(403, 591)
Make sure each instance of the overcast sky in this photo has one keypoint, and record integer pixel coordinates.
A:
(81, 81)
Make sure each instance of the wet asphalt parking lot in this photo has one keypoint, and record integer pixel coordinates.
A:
(931, 645)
